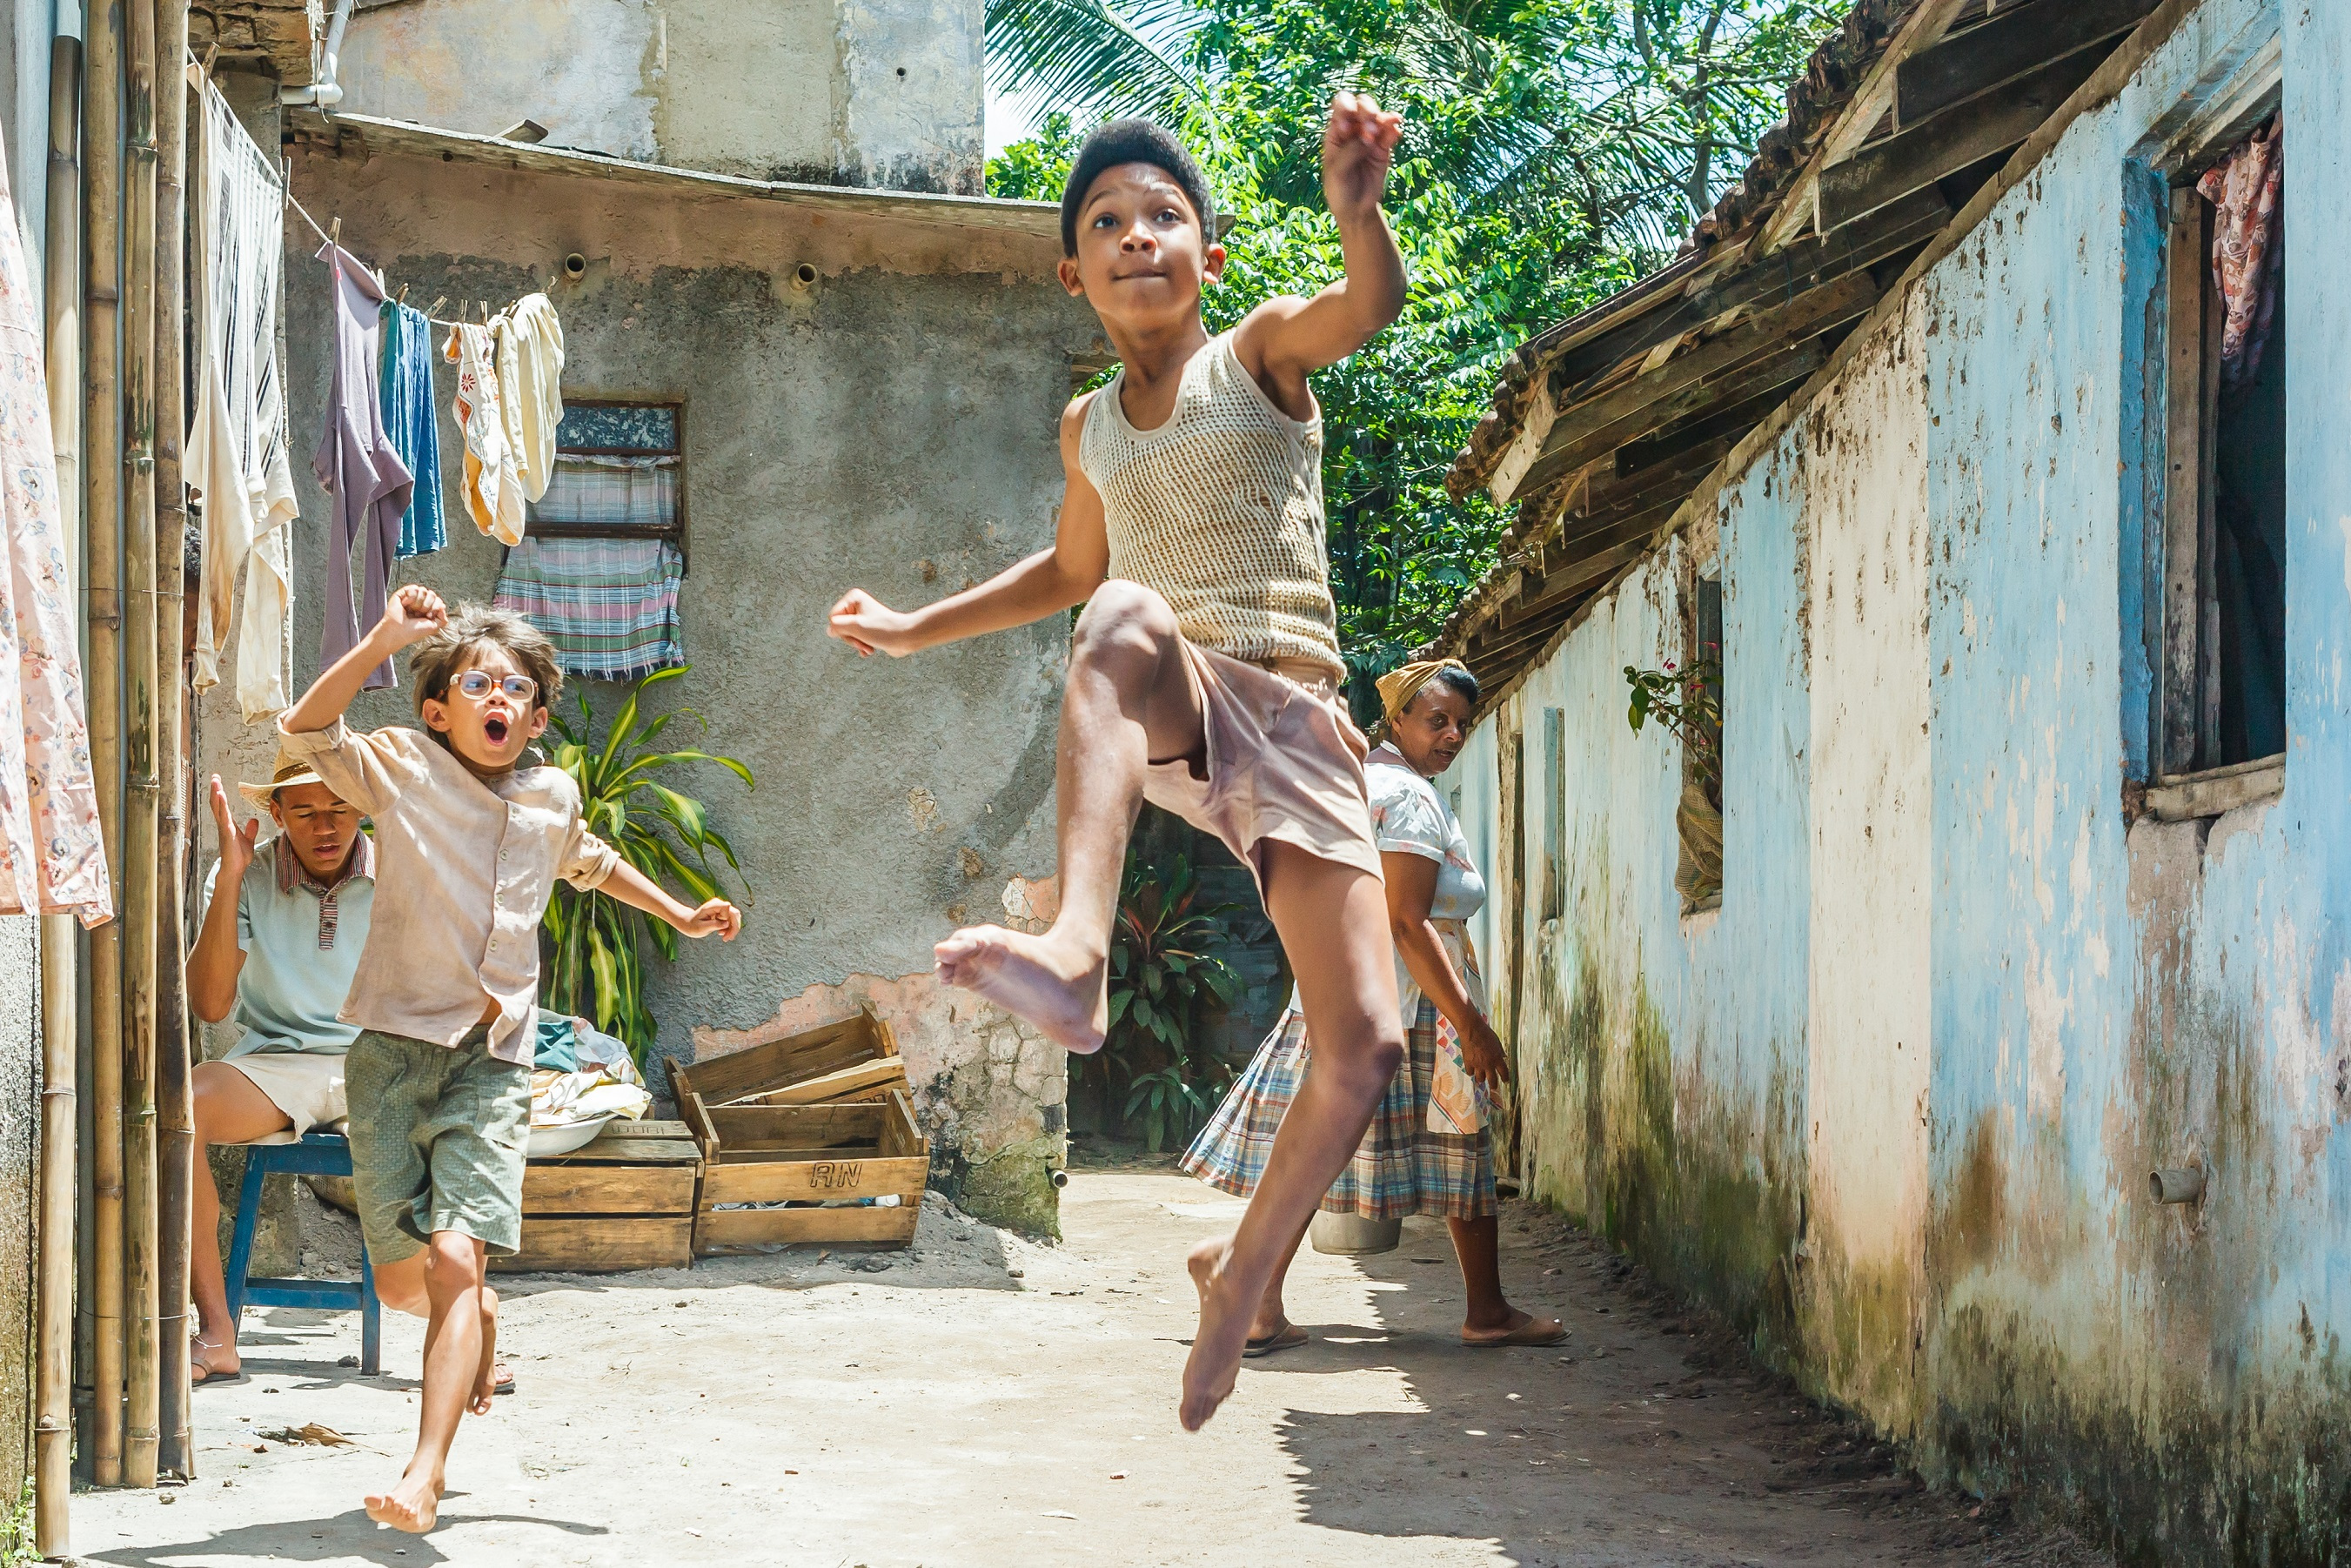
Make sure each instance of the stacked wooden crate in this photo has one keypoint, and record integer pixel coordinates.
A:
(807, 1138)
(624, 1200)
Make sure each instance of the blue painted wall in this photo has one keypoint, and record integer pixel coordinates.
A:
(1893, 1104)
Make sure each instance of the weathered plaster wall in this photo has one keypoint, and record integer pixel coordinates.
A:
(862, 92)
(1893, 1105)
(891, 428)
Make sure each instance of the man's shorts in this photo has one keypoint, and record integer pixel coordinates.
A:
(308, 1085)
(438, 1135)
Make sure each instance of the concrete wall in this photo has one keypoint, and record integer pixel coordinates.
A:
(859, 92)
(894, 426)
(1893, 1107)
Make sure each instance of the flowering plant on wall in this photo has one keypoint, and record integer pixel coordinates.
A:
(596, 945)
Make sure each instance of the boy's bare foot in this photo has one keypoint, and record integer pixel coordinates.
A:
(1216, 1358)
(414, 1505)
(1032, 977)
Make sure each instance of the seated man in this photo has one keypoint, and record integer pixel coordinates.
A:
(279, 958)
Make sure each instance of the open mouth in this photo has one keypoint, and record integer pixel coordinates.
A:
(495, 727)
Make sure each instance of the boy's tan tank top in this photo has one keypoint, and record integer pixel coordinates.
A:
(1220, 510)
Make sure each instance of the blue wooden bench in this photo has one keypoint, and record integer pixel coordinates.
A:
(319, 1154)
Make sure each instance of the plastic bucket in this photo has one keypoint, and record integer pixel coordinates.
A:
(1352, 1236)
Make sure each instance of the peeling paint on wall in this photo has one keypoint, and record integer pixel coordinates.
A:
(1894, 1107)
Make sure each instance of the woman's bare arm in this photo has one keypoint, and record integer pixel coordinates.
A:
(1412, 893)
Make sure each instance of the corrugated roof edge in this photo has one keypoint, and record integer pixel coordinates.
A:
(1040, 219)
(1816, 99)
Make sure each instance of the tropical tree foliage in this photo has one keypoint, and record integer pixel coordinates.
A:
(595, 944)
(1555, 151)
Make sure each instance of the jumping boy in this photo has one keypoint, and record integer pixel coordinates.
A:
(468, 846)
(1204, 672)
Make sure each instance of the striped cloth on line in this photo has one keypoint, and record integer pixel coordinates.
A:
(1401, 1167)
(609, 605)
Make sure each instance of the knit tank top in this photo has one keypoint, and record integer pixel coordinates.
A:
(1219, 511)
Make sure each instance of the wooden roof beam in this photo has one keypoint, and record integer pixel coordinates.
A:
(1774, 366)
(2016, 41)
(1983, 127)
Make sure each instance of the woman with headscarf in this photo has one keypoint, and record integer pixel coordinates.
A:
(1430, 1149)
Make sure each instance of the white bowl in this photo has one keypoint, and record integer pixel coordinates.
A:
(565, 1139)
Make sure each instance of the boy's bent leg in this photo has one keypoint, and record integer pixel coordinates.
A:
(454, 1266)
(1130, 702)
(1333, 923)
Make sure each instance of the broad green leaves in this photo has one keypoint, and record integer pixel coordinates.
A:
(595, 945)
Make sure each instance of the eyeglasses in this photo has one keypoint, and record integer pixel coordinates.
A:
(476, 683)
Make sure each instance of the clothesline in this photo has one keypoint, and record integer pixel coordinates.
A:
(330, 239)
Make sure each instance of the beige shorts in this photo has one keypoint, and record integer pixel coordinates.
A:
(1284, 762)
(308, 1085)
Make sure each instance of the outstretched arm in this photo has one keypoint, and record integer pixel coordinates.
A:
(1284, 339)
(637, 891)
(1053, 580)
(412, 614)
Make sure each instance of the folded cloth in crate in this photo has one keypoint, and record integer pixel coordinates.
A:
(604, 1082)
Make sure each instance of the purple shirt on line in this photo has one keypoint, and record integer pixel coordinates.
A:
(368, 485)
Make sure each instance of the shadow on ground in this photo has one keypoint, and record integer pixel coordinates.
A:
(1650, 1435)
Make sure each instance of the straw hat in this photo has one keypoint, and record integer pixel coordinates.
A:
(289, 771)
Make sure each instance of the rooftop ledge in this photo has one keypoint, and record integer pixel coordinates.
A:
(1040, 220)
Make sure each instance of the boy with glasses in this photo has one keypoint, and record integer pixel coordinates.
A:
(470, 843)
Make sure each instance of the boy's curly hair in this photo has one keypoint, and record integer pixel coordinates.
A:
(1134, 141)
(458, 646)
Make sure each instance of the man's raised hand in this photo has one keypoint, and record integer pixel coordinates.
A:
(235, 843)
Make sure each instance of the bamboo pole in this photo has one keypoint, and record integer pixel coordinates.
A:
(175, 1106)
(102, 488)
(54, 1284)
(141, 697)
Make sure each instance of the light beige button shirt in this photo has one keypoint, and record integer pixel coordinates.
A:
(464, 868)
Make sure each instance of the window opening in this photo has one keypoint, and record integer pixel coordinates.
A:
(603, 552)
(1699, 875)
(2222, 679)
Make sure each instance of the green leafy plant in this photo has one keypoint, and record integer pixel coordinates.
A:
(1689, 702)
(596, 945)
(16, 1532)
(1165, 975)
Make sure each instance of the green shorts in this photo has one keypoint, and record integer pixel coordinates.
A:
(438, 1135)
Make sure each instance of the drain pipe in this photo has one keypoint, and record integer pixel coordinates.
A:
(325, 91)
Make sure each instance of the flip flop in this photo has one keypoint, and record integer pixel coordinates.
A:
(199, 1374)
(505, 1385)
(1289, 1337)
(1530, 1333)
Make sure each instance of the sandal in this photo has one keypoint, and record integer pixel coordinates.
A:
(1288, 1336)
(1534, 1331)
(199, 1374)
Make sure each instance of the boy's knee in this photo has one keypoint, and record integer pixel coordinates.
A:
(452, 1259)
(1123, 620)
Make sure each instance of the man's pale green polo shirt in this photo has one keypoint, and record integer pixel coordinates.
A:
(301, 943)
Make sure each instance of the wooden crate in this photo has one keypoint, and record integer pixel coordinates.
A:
(623, 1201)
(823, 1159)
(855, 1058)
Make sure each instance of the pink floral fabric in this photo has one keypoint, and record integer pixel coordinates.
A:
(2245, 186)
(52, 858)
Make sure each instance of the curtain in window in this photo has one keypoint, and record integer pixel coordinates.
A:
(2245, 187)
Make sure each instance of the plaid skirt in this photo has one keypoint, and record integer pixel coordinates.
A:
(1401, 1168)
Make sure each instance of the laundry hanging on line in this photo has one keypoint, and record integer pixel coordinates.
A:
(363, 474)
(237, 462)
(413, 422)
(52, 856)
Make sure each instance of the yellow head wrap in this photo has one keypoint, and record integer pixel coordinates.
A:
(1400, 686)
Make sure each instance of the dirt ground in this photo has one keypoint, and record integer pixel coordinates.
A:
(982, 1400)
